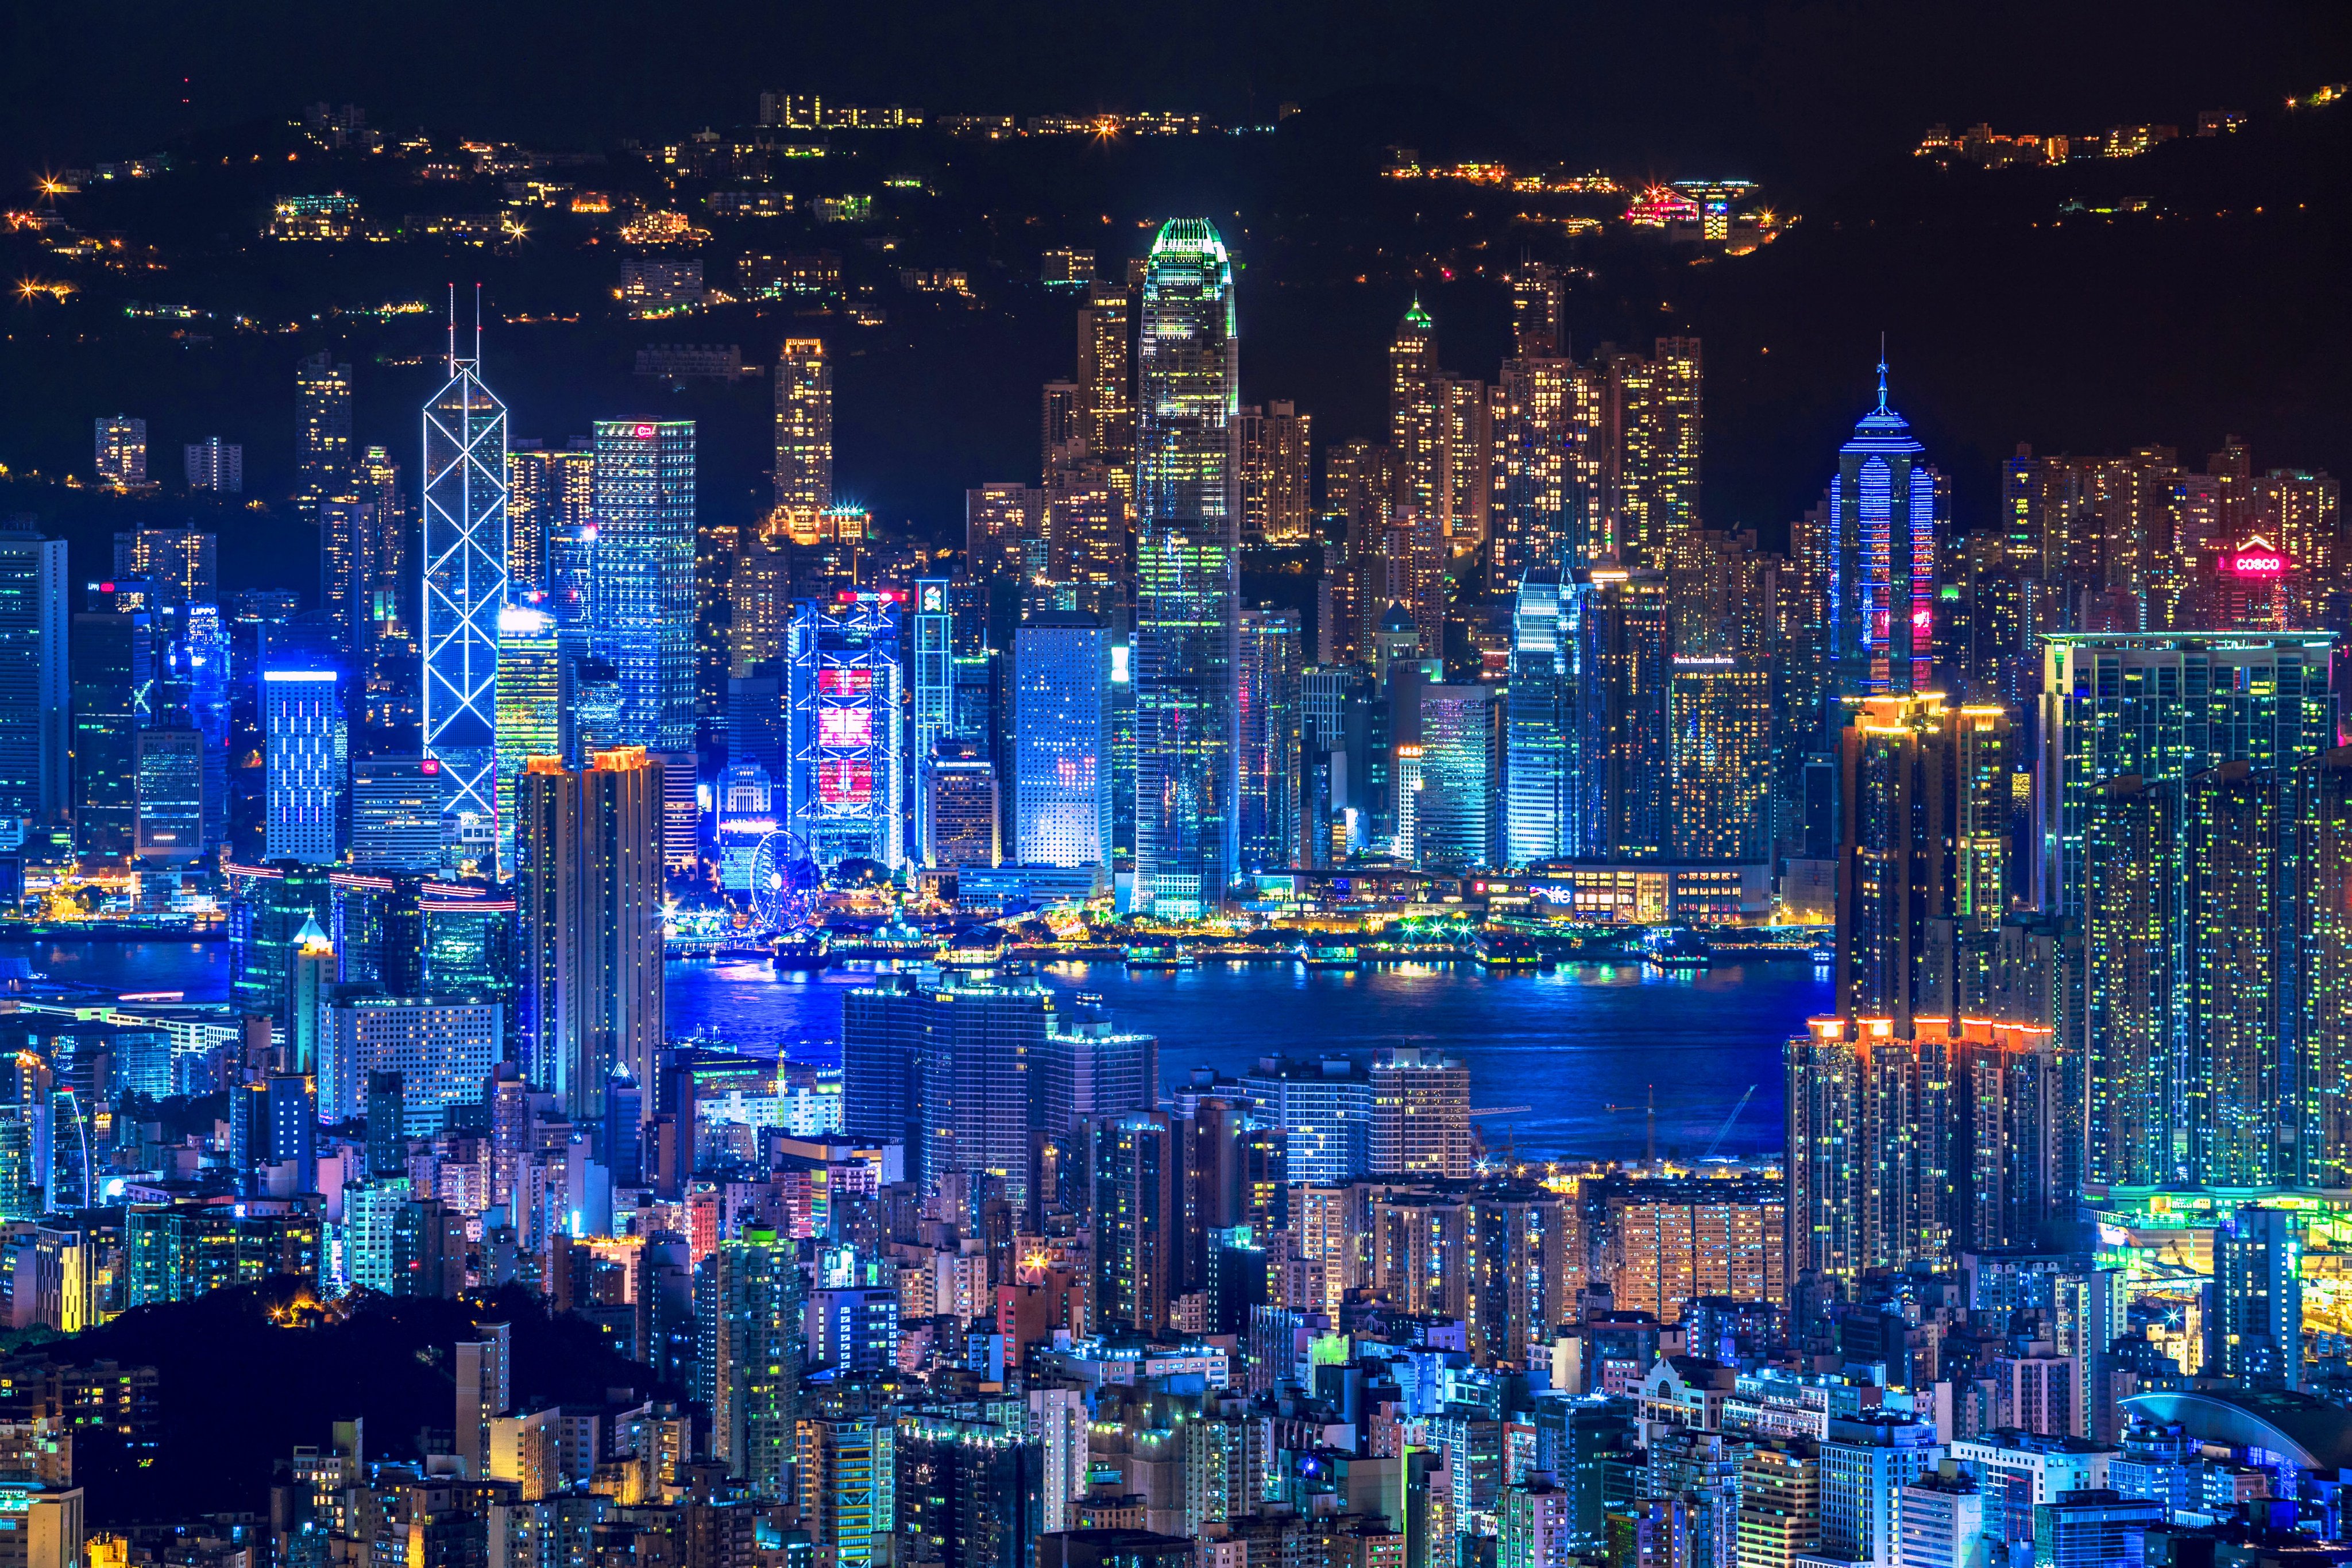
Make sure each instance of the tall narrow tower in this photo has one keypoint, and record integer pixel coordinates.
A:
(1882, 558)
(803, 425)
(1186, 626)
(465, 577)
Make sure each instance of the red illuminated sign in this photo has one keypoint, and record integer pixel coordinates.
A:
(2254, 564)
(644, 432)
(844, 784)
(835, 681)
(844, 726)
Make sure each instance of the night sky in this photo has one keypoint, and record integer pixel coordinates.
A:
(1805, 94)
(2197, 319)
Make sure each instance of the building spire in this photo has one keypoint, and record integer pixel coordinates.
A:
(1882, 372)
(453, 327)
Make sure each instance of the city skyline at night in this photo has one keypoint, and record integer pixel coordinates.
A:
(1665, 887)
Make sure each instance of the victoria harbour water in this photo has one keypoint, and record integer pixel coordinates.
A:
(1584, 1047)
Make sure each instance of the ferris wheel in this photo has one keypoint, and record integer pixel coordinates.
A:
(783, 880)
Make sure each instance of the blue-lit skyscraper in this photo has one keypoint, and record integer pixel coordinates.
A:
(1624, 765)
(530, 705)
(843, 785)
(307, 755)
(932, 680)
(1539, 787)
(2255, 1327)
(35, 755)
(1186, 618)
(1267, 735)
(2166, 705)
(1454, 815)
(201, 663)
(172, 779)
(1061, 746)
(644, 595)
(465, 580)
(1882, 560)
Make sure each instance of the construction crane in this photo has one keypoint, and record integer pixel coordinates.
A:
(1725, 1131)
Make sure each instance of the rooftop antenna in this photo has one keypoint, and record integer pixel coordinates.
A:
(453, 328)
(478, 340)
(1882, 372)
(1650, 1138)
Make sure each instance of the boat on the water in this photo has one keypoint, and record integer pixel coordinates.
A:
(808, 948)
(1503, 952)
(1676, 947)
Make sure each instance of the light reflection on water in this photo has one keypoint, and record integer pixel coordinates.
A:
(1583, 1045)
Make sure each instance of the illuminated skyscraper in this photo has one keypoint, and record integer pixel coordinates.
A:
(1623, 757)
(551, 498)
(322, 450)
(1405, 567)
(1106, 381)
(1188, 506)
(347, 530)
(1271, 659)
(113, 670)
(308, 754)
(930, 682)
(530, 706)
(1921, 822)
(2165, 707)
(1276, 441)
(171, 795)
(1546, 471)
(1454, 811)
(122, 451)
(1063, 428)
(754, 1330)
(761, 590)
(1137, 1224)
(1061, 721)
(958, 799)
(644, 620)
(1468, 420)
(2323, 905)
(214, 465)
(842, 775)
(1870, 1148)
(1540, 726)
(1653, 409)
(1538, 302)
(942, 1063)
(1417, 413)
(34, 689)
(2256, 1325)
(1004, 531)
(1719, 723)
(588, 889)
(1420, 1117)
(803, 425)
(1522, 1256)
(465, 580)
(178, 565)
(848, 1479)
(1085, 527)
(2206, 1062)
(1881, 559)
(396, 814)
